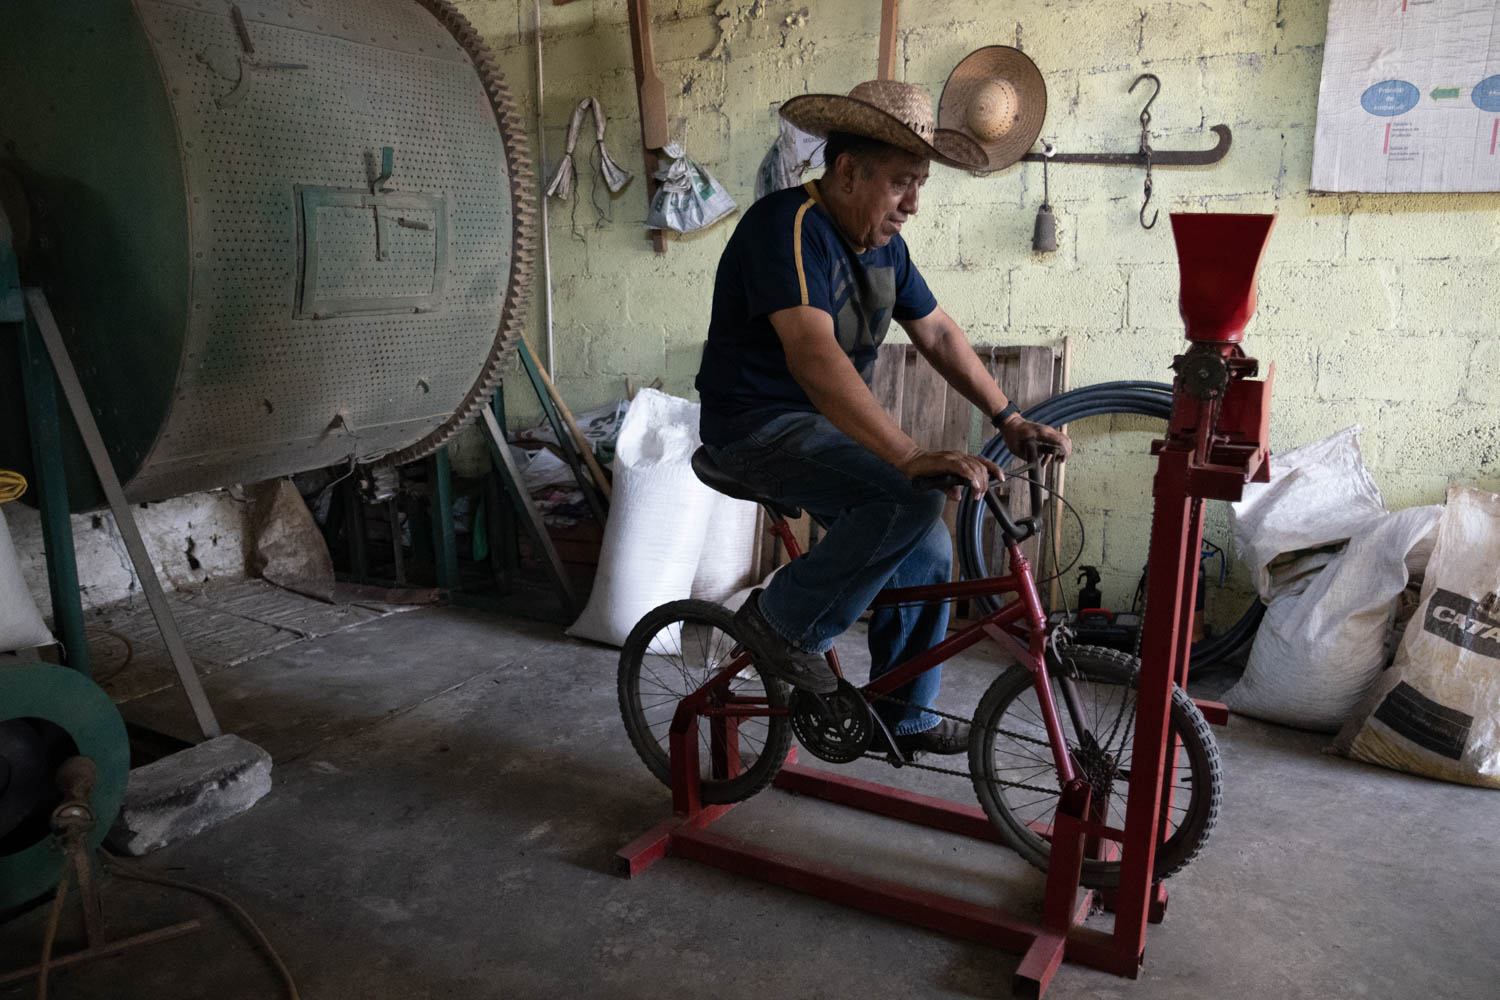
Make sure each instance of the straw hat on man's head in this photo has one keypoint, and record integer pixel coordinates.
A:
(895, 113)
(996, 96)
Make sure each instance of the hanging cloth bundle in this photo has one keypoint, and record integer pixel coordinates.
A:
(689, 197)
(615, 176)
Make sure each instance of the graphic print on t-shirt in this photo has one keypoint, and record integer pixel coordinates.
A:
(862, 309)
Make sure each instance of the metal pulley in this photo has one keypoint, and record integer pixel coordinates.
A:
(50, 715)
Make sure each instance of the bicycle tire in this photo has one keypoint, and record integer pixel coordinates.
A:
(1110, 670)
(763, 740)
(1134, 398)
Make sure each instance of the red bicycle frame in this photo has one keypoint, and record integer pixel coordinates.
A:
(1019, 627)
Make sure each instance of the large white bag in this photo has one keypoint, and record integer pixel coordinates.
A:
(1330, 599)
(657, 519)
(728, 559)
(1436, 711)
(1322, 641)
(1319, 494)
(21, 624)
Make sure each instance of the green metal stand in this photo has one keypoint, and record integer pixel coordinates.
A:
(531, 519)
(520, 509)
(51, 484)
(50, 339)
(48, 475)
(444, 543)
(503, 533)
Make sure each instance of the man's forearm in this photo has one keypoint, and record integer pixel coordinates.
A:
(954, 359)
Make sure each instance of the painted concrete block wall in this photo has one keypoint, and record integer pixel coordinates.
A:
(192, 540)
(1380, 310)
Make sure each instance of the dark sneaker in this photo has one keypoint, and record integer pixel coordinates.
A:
(947, 738)
(800, 669)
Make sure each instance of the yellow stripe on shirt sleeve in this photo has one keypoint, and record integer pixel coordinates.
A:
(797, 248)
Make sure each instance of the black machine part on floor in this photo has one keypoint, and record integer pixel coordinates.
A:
(31, 751)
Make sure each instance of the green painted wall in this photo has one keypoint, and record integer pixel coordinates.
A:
(1380, 310)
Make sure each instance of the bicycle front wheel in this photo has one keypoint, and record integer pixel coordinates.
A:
(672, 652)
(1010, 760)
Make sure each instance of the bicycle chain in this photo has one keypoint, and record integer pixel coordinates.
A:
(954, 771)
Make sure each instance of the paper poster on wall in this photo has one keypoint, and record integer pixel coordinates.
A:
(1410, 97)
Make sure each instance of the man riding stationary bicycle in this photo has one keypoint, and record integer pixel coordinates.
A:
(804, 295)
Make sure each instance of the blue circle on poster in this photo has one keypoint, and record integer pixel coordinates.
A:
(1487, 94)
(1390, 98)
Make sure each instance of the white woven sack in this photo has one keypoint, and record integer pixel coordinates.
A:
(1319, 494)
(1323, 639)
(657, 519)
(21, 624)
(728, 558)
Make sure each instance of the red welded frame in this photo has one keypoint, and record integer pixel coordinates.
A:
(1212, 449)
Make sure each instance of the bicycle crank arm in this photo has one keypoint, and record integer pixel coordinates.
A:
(893, 756)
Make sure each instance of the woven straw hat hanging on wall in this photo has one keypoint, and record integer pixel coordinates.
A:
(892, 112)
(995, 96)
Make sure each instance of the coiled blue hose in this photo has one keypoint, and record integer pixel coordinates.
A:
(1146, 399)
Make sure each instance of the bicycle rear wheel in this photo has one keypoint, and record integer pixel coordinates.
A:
(1010, 760)
(672, 652)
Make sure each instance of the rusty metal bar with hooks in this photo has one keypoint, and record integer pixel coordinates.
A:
(1159, 157)
(1146, 156)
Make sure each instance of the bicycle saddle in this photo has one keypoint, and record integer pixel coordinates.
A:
(716, 478)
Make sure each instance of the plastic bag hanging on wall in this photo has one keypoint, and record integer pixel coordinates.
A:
(689, 197)
(792, 154)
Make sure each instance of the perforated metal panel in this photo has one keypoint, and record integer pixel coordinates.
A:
(327, 319)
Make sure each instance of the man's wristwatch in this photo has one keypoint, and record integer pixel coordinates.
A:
(999, 419)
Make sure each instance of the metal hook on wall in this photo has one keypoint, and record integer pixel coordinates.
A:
(1146, 143)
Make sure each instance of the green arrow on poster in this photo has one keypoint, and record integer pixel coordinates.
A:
(1440, 93)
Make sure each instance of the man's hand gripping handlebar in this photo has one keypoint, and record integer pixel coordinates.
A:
(1015, 530)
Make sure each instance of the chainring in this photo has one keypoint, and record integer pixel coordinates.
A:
(834, 727)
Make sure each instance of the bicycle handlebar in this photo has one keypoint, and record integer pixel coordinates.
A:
(939, 481)
(1016, 531)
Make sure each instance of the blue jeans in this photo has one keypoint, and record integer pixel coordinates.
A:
(879, 533)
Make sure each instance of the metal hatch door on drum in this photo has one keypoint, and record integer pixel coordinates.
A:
(385, 252)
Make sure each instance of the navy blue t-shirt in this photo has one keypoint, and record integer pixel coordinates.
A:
(785, 252)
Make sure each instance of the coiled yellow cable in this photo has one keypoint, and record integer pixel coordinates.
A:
(12, 485)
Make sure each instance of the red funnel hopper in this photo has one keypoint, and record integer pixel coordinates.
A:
(1219, 256)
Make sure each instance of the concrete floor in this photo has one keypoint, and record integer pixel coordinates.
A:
(451, 786)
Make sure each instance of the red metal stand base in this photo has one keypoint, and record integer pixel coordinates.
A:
(1042, 944)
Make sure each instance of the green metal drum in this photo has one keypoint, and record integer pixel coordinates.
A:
(278, 234)
(47, 714)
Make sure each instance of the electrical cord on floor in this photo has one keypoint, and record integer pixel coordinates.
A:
(49, 937)
(132, 870)
(12, 485)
